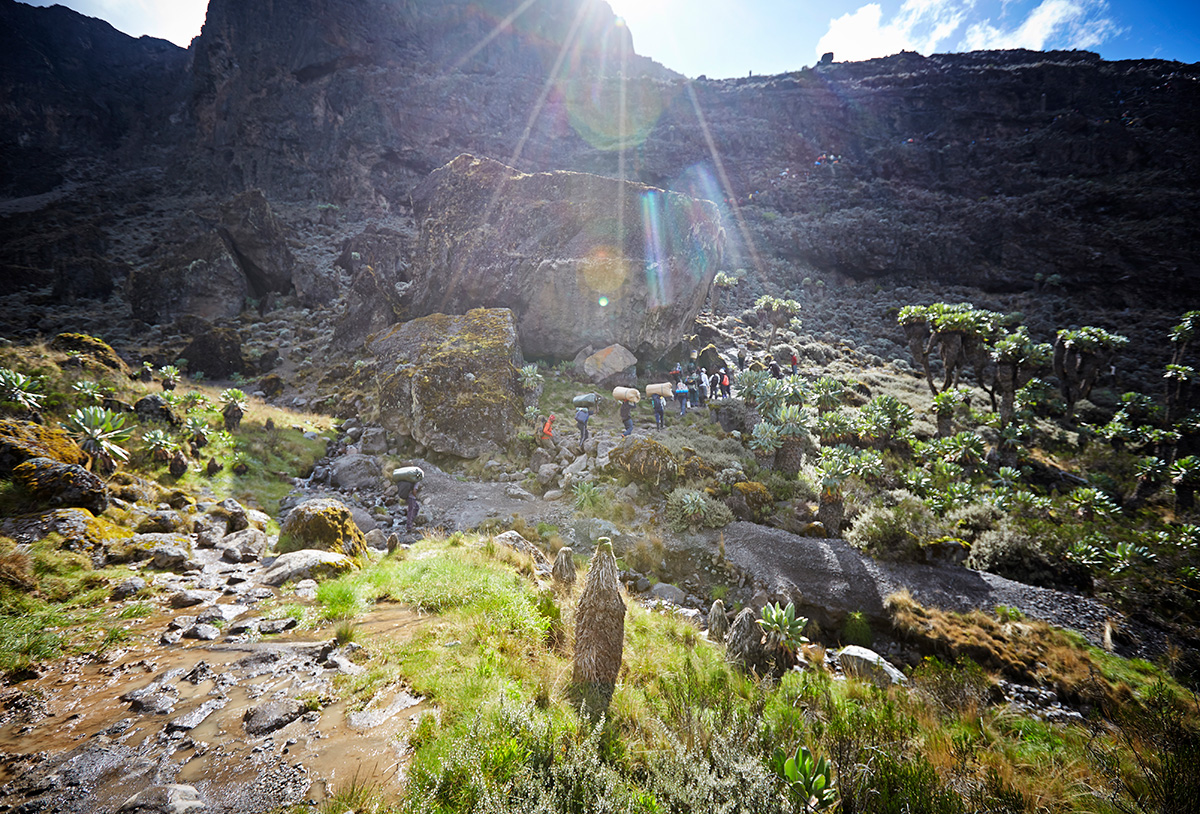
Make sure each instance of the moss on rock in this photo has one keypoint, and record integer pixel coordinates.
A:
(323, 524)
(94, 349)
(22, 440)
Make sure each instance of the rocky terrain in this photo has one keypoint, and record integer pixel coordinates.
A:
(335, 238)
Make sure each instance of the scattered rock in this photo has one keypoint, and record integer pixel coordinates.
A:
(306, 564)
(869, 666)
(166, 799)
(155, 408)
(272, 716)
(668, 593)
(52, 484)
(130, 587)
(356, 472)
(188, 598)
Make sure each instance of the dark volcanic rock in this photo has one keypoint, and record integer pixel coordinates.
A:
(155, 408)
(579, 259)
(272, 715)
(22, 440)
(217, 352)
(259, 242)
(52, 484)
(198, 277)
(379, 262)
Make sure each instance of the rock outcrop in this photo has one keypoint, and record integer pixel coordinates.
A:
(449, 382)
(52, 484)
(579, 259)
(322, 524)
(22, 440)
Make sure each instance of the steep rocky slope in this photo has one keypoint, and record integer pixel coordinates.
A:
(995, 169)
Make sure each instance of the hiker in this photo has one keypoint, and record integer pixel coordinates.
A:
(693, 396)
(726, 387)
(776, 370)
(675, 374)
(408, 493)
(714, 386)
(546, 433)
(702, 386)
(741, 357)
(582, 414)
(627, 417)
(660, 406)
(795, 363)
(681, 395)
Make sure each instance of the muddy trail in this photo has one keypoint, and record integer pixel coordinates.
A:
(249, 725)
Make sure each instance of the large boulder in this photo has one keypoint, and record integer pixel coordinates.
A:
(214, 351)
(52, 484)
(356, 471)
(199, 276)
(580, 259)
(323, 524)
(90, 349)
(22, 440)
(868, 665)
(610, 367)
(449, 382)
(259, 242)
(379, 263)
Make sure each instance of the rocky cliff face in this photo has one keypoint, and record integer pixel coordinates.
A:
(998, 169)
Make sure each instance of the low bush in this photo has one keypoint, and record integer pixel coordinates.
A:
(896, 532)
(689, 509)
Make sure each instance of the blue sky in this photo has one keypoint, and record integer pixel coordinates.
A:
(723, 38)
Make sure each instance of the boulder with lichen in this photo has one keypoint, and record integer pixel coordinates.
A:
(22, 440)
(580, 259)
(323, 524)
(53, 484)
(448, 382)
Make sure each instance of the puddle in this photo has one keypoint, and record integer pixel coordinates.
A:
(208, 688)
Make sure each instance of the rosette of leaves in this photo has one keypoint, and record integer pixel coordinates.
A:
(234, 401)
(963, 448)
(159, 444)
(197, 430)
(1126, 555)
(1185, 477)
(89, 392)
(100, 433)
(884, 420)
(783, 628)
(1087, 502)
(808, 780)
(794, 425)
(170, 376)
(690, 510)
(796, 389)
(827, 394)
(944, 405)
(765, 441)
(832, 473)
(776, 312)
(532, 384)
(836, 428)
(19, 390)
(772, 396)
(749, 384)
(1016, 357)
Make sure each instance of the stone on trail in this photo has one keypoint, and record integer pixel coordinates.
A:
(868, 665)
(188, 598)
(611, 366)
(306, 564)
(356, 472)
(668, 593)
(323, 524)
(272, 715)
(170, 798)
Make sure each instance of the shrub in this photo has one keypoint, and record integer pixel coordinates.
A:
(646, 461)
(896, 532)
(1010, 553)
(958, 688)
(689, 509)
(857, 630)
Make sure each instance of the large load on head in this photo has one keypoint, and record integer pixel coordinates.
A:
(589, 400)
(409, 474)
(664, 389)
(630, 394)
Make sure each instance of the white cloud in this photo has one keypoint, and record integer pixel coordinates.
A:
(1053, 24)
(919, 25)
(927, 26)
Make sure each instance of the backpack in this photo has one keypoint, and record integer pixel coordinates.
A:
(582, 414)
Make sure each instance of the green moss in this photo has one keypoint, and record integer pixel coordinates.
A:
(327, 527)
(22, 440)
(95, 349)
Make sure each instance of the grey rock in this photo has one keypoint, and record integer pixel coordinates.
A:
(374, 441)
(170, 798)
(205, 633)
(234, 514)
(547, 473)
(246, 545)
(517, 493)
(668, 593)
(160, 522)
(171, 637)
(306, 564)
(192, 719)
(611, 366)
(271, 627)
(188, 598)
(52, 484)
(155, 703)
(171, 557)
(354, 472)
(272, 716)
(376, 539)
(182, 622)
(127, 588)
(868, 665)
